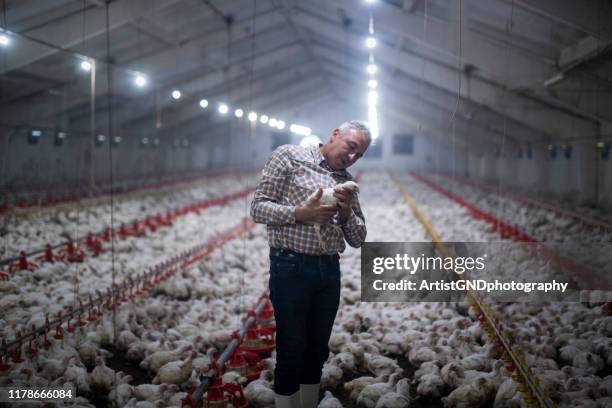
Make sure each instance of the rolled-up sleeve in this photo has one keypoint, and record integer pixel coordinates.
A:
(267, 206)
(354, 228)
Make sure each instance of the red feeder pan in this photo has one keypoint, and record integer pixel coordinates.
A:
(259, 340)
(266, 317)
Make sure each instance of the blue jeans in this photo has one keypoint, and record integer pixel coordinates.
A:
(305, 293)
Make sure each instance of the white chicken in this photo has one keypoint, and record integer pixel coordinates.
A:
(329, 401)
(369, 396)
(102, 376)
(259, 392)
(400, 398)
(328, 198)
(175, 372)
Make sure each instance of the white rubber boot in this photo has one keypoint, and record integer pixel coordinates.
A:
(309, 395)
(287, 401)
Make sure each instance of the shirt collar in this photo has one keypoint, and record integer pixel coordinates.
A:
(319, 159)
(317, 155)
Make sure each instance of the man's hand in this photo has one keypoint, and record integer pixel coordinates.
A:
(344, 203)
(313, 212)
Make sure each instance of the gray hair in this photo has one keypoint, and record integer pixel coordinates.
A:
(356, 125)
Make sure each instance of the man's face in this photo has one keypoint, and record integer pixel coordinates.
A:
(346, 149)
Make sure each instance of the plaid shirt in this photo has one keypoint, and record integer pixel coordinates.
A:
(293, 174)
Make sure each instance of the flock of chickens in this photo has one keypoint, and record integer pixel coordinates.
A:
(382, 354)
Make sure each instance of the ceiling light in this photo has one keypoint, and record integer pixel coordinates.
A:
(223, 109)
(140, 80)
(372, 84)
(370, 42)
(239, 113)
(280, 125)
(86, 66)
(4, 40)
(263, 119)
(372, 69)
(272, 122)
(372, 98)
(203, 103)
(370, 1)
(176, 94)
(252, 116)
(300, 130)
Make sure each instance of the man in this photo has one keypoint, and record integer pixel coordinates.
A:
(305, 275)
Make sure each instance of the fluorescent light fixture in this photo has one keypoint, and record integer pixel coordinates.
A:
(100, 140)
(223, 109)
(372, 98)
(60, 137)
(263, 119)
(239, 113)
(312, 140)
(252, 116)
(4, 40)
(372, 84)
(372, 69)
(272, 122)
(117, 140)
(34, 135)
(554, 80)
(203, 103)
(140, 80)
(86, 66)
(176, 94)
(370, 42)
(280, 125)
(300, 130)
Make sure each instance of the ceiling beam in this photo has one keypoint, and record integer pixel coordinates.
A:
(529, 109)
(68, 32)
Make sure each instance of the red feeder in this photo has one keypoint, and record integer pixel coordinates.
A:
(219, 395)
(48, 255)
(138, 229)
(72, 253)
(150, 223)
(23, 264)
(124, 231)
(259, 340)
(247, 363)
(266, 317)
(105, 236)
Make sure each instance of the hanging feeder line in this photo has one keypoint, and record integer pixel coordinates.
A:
(123, 292)
(564, 264)
(586, 220)
(513, 356)
(194, 399)
(24, 207)
(134, 227)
